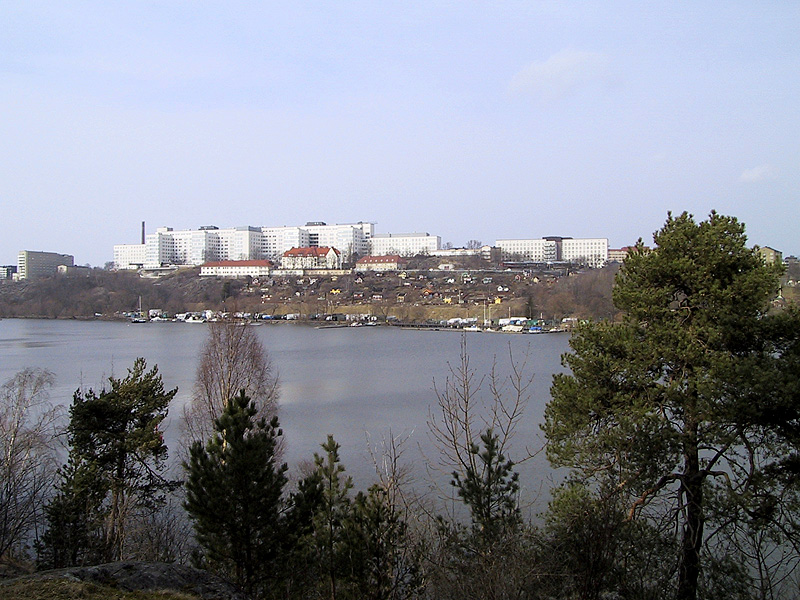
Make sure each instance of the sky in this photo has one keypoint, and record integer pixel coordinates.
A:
(463, 119)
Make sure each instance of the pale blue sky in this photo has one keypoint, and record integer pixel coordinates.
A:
(464, 119)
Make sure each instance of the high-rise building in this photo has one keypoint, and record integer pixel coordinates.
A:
(592, 252)
(32, 264)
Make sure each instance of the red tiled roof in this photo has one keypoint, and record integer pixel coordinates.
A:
(310, 251)
(239, 263)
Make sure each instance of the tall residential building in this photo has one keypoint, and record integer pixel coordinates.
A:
(129, 256)
(405, 244)
(536, 250)
(194, 247)
(349, 238)
(32, 265)
(590, 251)
(770, 255)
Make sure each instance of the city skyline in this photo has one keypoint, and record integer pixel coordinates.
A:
(470, 121)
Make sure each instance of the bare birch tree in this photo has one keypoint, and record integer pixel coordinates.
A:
(27, 462)
(233, 359)
(471, 404)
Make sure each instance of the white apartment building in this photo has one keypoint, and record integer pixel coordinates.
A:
(541, 250)
(197, 246)
(277, 240)
(404, 244)
(590, 251)
(32, 264)
(129, 256)
(348, 238)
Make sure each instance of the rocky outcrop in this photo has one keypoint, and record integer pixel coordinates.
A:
(146, 576)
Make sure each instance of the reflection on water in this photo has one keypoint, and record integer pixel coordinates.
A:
(353, 383)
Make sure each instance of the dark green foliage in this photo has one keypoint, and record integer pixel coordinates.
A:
(692, 394)
(116, 464)
(594, 551)
(328, 522)
(233, 495)
(75, 517)
(489, 488)
(383, 562)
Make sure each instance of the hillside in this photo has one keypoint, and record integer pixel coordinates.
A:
(413, 295)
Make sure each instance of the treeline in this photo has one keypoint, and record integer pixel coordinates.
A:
(108, 292)
(679, 426)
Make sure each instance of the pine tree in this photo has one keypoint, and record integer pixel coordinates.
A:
(489, 489)
(233, 495)
(332, 513)
(116, 466)
(692, 399)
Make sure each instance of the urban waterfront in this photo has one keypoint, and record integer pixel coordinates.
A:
(354, 383)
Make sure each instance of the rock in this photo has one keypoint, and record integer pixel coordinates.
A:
(144, 576)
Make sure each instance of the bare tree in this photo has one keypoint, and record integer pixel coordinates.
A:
(471, 404)
(233, 359)
(28, 461)
(472, 425)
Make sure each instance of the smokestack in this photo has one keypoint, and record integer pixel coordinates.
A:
(142, 232)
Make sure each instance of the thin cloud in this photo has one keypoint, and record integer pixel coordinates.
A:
(756, 174)
(563, 72)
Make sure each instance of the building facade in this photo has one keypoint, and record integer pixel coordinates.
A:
(770, 255)
(316, 257)
(592, 252)
(237, 268)
(404, 244)
(130, 256)
(192, 247)
(535, 250)
(388, 262)
(33, 265)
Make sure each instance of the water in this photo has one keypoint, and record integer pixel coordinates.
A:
(354, 383)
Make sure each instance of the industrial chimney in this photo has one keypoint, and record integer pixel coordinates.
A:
(143, 233)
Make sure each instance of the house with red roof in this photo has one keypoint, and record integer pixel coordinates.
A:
(312, 257)
(389, 262)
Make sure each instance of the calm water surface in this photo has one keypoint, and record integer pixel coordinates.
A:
(353, 383)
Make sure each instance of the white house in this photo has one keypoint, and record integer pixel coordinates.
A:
(236, 268)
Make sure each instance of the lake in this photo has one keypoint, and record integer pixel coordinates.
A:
(357, 384)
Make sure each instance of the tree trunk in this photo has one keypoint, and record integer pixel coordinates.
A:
(692, 488)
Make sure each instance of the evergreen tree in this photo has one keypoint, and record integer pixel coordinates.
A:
(692, 399)
(116, 463)
(489, 488)
(233, 495)
(75, 517)
(331, 515)
(382, 561)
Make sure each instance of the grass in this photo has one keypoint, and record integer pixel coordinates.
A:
(56, 589)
